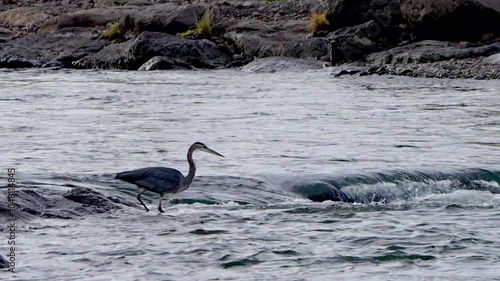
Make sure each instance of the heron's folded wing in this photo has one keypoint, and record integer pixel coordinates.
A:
(156, 179)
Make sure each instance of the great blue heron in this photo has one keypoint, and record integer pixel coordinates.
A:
(164, 180)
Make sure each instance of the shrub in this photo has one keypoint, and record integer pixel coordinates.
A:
(318, 22)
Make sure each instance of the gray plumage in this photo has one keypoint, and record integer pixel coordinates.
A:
(164, 180)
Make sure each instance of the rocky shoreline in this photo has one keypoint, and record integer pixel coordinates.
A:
(387, 37)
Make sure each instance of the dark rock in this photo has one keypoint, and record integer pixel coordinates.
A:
(15, 63)
(282, 64)
(247, 44)
(3, 262)
(471, 68)
(452, 19)
(138, 3)
(64, 46)
(90, 198)
(6, 33)
(163, 63)
(169, 18)
(354, 43)
(431, 51)
(255, 39)
(132, 54)
(110, 3)
(342, 13)
(311, 48)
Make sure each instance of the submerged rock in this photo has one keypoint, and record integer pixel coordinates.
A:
(3, 262)
(91, 198)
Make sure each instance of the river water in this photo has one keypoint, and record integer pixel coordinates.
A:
(379, 178)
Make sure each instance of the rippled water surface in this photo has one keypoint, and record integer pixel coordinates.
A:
(378, 178)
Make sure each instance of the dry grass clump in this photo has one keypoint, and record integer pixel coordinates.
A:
(203, 28)
(113, 32)
(318, 22)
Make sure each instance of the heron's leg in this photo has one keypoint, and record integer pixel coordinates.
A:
(141, 191)
(159, 205)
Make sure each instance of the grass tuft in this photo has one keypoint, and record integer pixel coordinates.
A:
(203, 28)
(318, 22)
(113, 32)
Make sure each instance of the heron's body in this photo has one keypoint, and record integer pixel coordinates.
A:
(164, 180)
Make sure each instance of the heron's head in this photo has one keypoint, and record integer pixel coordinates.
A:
(203, 147)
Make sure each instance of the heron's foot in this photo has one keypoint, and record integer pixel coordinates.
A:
(161, 210)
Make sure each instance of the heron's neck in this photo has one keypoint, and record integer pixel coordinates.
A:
(192, 166)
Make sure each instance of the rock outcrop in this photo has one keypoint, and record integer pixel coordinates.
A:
(86, 18)
(354, 43)
(25, 18)
(50, 49)
(133, 54)
(146, 34)
(342, 13)
(452, 19)
(431, 51)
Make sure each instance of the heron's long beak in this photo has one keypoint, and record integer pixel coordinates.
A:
(213, 152)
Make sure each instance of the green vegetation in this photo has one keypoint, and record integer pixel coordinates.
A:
(190, 34)
(318, 22)
(203, 28)
(113, 32)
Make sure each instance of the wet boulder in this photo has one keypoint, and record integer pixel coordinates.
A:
(163, 63)
(133, 54)
(354, 43)
(454, 20)
(90, 198)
